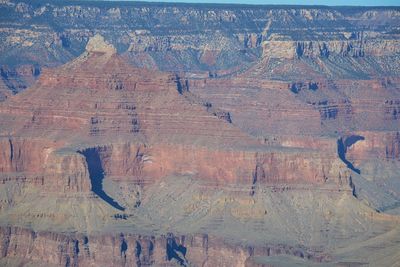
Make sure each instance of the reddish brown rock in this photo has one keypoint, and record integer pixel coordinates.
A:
(110, 148)
(83, 104)
(133, 250)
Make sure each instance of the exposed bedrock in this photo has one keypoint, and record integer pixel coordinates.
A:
(282, 165)
(238, 166)
(23, 154)
(357, 47)
(149, 163)
(17, 79)
(38, 162)
(382, 145)
(57, 249)
(227, 38)
(66, 171)
(4, 91)
(306, 107)
(101, 160)
(375, 158)
(114, 129)
(86, 169)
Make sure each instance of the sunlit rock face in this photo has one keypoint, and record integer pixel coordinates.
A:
(137, 134)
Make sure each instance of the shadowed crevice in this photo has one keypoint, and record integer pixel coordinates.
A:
(175, 251)
(96, 174)
(11, 150)
(343, 144)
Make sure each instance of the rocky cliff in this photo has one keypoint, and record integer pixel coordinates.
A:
(137, 134)
(200, 39)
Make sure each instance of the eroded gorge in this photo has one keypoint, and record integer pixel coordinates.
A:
(150, 134)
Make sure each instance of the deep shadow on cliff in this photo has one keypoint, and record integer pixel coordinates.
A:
(96, 173)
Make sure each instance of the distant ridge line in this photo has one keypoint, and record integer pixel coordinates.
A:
(203, 5)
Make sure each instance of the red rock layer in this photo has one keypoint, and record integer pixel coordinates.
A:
(377, 145)
(135, 250)
(99, 101)
(149, 163)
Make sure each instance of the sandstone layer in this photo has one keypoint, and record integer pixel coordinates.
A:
(246, 142)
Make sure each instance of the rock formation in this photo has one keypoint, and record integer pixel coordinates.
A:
(154, 146)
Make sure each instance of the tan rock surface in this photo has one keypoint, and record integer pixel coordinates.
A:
(101, 161)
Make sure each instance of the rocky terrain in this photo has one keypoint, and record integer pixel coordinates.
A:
(144, 134)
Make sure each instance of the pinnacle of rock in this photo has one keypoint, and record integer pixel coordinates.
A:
(98, 44)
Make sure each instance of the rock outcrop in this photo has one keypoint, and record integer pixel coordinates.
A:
(228, 38)
(140, 105)
(97, 44)
(133, 250)
(263, 144)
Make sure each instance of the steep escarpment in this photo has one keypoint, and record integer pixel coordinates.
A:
(290, 112)
(23, 245)
(227, 38)
(273, 138)
(18, 78)
(180, 208)
(146, 108)
(84, 104)
(96, 146)
(347, 44)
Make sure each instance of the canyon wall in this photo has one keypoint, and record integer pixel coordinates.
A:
(51, 249)
(227, 39)
(255, 134)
